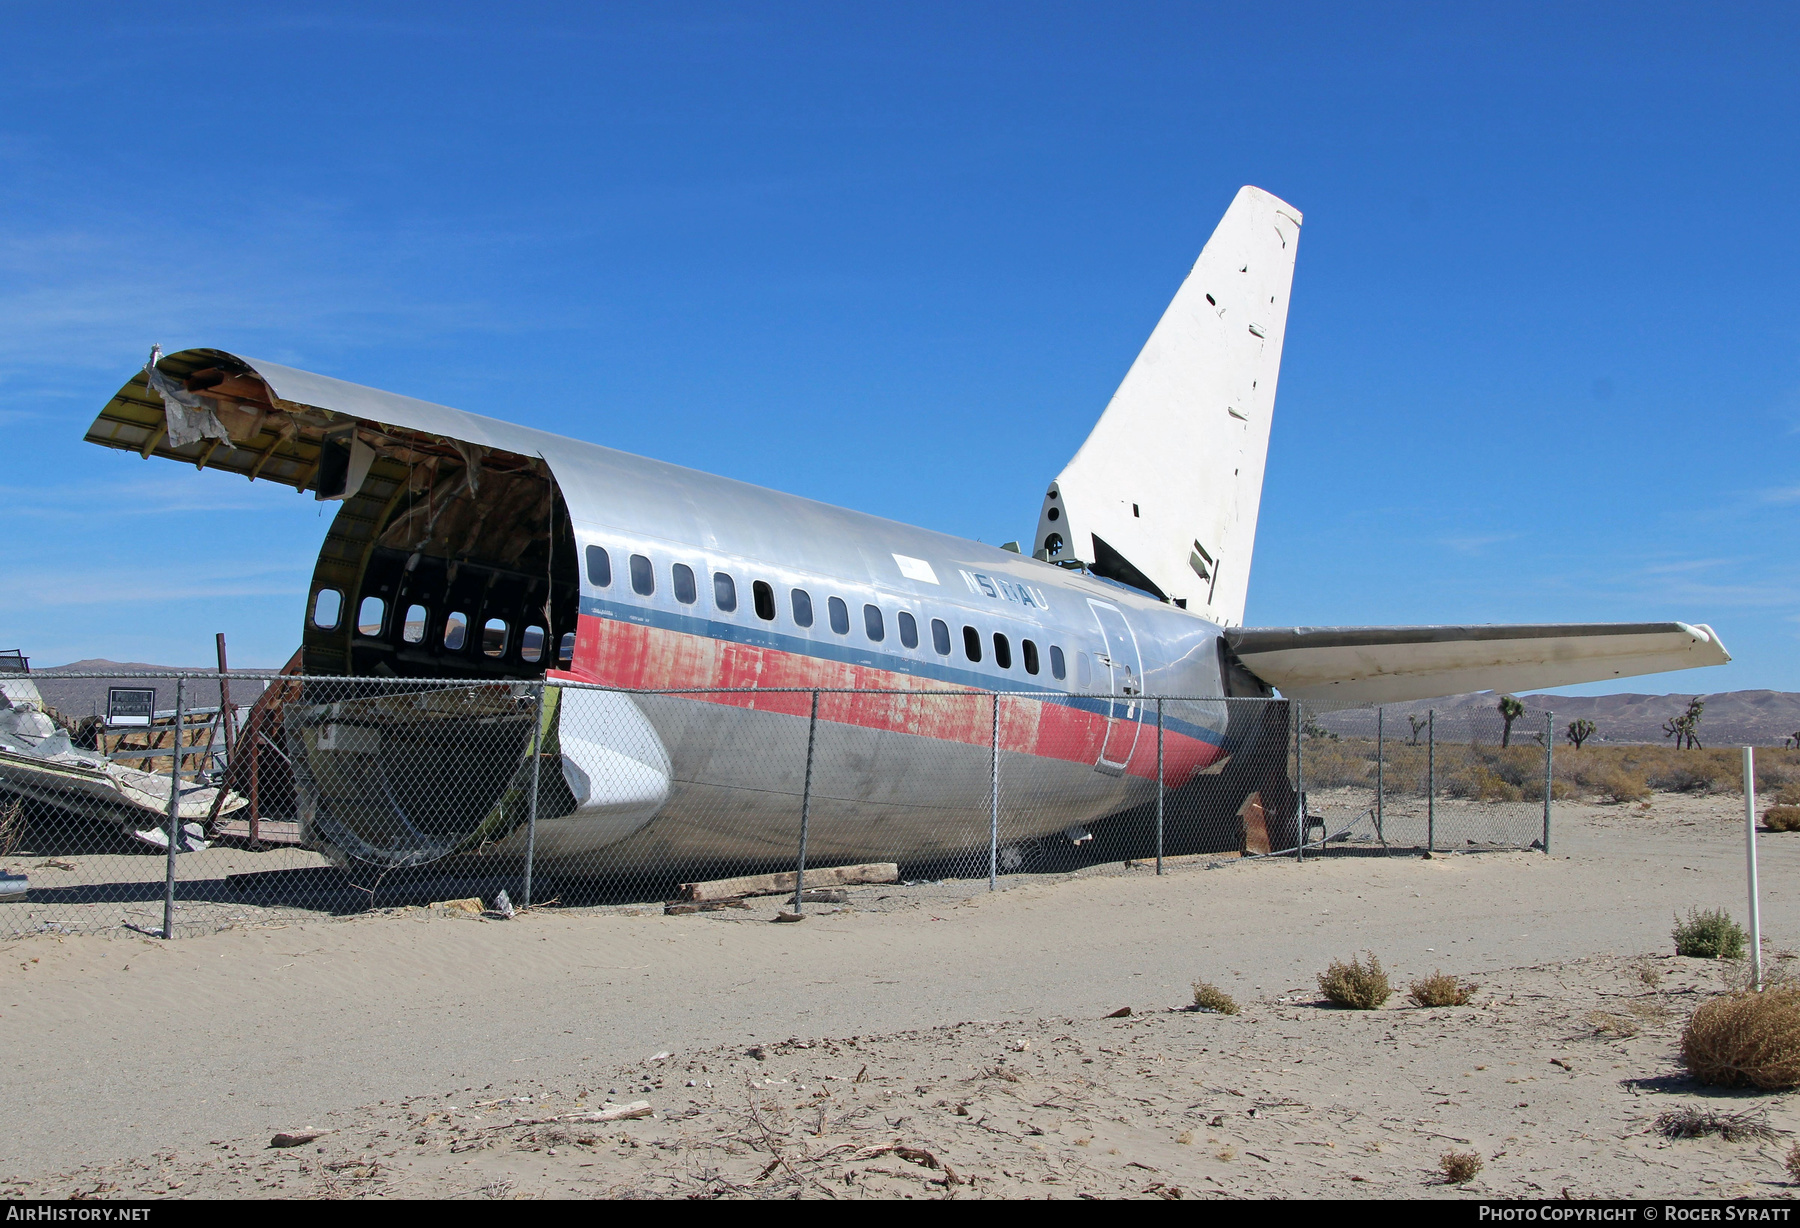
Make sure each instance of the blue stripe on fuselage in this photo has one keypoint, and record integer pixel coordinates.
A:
(847, 654)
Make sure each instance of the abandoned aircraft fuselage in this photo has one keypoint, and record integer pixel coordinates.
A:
(688, 618)
(659, 578)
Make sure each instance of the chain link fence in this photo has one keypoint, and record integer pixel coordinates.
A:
(1414, 778)
(186, 803)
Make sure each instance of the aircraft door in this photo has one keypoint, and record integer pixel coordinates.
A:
(1125, 669)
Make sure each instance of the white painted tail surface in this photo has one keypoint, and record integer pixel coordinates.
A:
(1165, 491)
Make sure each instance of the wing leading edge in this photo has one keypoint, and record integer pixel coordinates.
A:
(1394, 664)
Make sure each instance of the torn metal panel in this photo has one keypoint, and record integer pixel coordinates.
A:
(39, 761)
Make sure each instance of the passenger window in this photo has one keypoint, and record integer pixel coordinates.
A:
(1057, 668)
(940, 637)
(328, 607)
(369, 616)
(909, 630)
(872, 623)
(531, 645)
(1031, 657)
(972, 643)
(802, 608)
(413, 629)
(724, 592)
(643, 577)
(565, 655)
(599, 567)
(763, 595)
(840, 615)
(681, 578)
(456, 632)
(1084, 673)
(493, 637)
(1002, 651)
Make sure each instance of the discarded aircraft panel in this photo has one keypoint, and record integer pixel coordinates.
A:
(39, 762)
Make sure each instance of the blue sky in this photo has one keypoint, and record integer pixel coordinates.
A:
(1543, 361)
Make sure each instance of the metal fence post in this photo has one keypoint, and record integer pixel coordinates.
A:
(994, 801)
(1549, 752)
(812, 732)
(1756, 965)
(1299, 718)
(1380, 834)
(174, 813)
(537, 734)
(1159, 784)
(1431, 780)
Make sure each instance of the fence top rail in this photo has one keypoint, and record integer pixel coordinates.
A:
(399, 684)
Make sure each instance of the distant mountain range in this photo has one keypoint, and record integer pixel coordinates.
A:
(1761, 718)
(1731, 718)
(79, 697)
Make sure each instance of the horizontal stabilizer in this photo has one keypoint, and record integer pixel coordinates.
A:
(1393, 664)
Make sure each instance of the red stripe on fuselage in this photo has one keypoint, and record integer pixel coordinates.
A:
(630, 656)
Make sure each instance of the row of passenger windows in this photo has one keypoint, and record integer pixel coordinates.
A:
(837, 612)
(453, 634)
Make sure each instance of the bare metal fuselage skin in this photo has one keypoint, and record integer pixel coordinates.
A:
(900, 774)
(451, 514)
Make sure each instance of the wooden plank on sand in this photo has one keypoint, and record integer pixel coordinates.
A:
(779, 884)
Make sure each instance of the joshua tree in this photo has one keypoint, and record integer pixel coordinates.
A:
(1418, 724)
(1580, 731)
(1685, 728)
(1510, 711)
(1312, 729)
(1794, 740)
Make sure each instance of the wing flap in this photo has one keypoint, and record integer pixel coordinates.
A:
(1394, 664)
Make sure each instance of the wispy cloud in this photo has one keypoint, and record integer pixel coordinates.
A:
(147, 586)
(151, 495)
(1476, 543)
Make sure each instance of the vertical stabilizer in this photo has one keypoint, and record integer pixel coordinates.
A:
(1164, 493)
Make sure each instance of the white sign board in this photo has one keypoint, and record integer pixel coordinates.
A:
(130, 705)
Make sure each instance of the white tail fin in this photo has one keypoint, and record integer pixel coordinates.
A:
(1164, 493)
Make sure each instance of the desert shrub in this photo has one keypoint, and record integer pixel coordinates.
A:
(1664, 767)
(1519, 766)
(1793, 1163)
(1696, 771)
(1209, 997)
(1739, 975)
(1709, 935)
(1441, 989)
(1477, 782)
(1355, 986)
(1491, 786)
(1695, 1122)
(1746, 1040)
(1403, 769)
(1782, 818)
(1459, 1166)
(1619, 785)
(1330, 764)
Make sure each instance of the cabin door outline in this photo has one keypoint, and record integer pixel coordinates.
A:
(1125, 670)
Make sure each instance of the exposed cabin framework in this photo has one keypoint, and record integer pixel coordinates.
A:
(448, 559)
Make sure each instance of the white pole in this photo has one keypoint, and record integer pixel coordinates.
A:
(1750, 862)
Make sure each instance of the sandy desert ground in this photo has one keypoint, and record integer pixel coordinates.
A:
(929, 1044)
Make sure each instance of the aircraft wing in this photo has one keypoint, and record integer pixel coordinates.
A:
(1394, 664)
